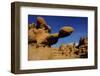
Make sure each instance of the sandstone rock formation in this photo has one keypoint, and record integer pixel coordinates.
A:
(40, 40)
(83, 47)
(75, 51)
(40, 33)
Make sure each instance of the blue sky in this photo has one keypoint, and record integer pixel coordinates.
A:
(80, 25)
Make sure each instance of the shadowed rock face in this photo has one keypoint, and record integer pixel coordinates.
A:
(40, 33)
(52, 39)
(40, 21)
(64, 32)
(83, 47)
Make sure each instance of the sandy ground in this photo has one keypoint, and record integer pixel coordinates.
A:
(45, 53)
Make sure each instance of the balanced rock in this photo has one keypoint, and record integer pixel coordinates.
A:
(65, 31)
(39, 33)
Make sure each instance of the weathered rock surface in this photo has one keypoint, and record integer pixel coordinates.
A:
(40, 40)
(40, 33)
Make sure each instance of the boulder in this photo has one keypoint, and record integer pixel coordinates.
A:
(65, 31)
